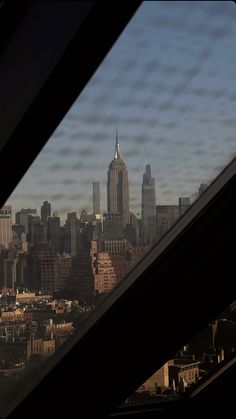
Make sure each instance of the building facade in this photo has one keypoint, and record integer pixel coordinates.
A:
(118, 187)
(96, 198)
(45, 212)
(167, 215)
(148, 206)
(104, 273)
(5, 226)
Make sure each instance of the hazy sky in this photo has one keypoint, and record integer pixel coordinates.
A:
(168, 86)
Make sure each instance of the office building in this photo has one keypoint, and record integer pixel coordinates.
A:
(22, 217)
(118, 187)
(104, 273)
(184, 204)
(148, 206)
(5, 226)
(9, 273)
(167, 215)
(113, 227)
(45, 212)
(81, 281)
(64, 270)
(42, 268)
(53, 232)
(96, 198)
(36, 230)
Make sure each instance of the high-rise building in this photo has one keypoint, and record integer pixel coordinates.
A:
(148, 206)
(184, 204)
(22, 217)
(104, 273)
(36, 230)
(113, 227)
(45, 212)
(64, 270)
(5, 226)
(167, 215)
(9, 273)
(81, 281)
(42, 268)
(96, 198)
(118, 187)
(53, 232)
(24, 243)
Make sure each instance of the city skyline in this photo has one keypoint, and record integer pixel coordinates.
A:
(169, 91)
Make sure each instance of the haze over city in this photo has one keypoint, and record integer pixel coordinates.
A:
(168, 86)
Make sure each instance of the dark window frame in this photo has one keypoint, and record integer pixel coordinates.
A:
(101, 387)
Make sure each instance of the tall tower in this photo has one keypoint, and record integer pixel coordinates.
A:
(45, 212)
(148, 205)
(118, 187)
(5, 226)
(96, 198)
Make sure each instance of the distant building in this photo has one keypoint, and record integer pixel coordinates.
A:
(64, 270)
(96, 229)
(96, 198)
(166, 216)
(70, 234)
(81, 281)
(24, 243)
(121, 265)
(184, 204)
(158, 381)
(104, 273)
(117, 247)
(45, 212)
(36, 230)
(5, 226)
(202, 188)
(18, 229)
(22, 217)
(9, 273)
(21, 269)
(113, 227)
(183, 373)
(18, 350)
(118, 187)
(72, 222)
(53, 232)
(42, 268)
(148, 206)
(131, 233)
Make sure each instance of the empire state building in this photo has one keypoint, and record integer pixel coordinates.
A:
(118, 187)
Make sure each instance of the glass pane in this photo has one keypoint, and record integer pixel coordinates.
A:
(151, 130)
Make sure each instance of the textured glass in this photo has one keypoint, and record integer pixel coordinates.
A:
(149, 133)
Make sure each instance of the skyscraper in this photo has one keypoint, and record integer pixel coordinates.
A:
(148, 205)
(53, 232)
(96, 198)
(5, 226)
(202, 188)
(45, 212)
(118, 187)
(167, 215)
(23, 216)
(184, 204)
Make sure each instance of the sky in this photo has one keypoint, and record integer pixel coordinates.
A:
(168, 87)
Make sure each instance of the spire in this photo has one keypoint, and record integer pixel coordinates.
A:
(117, 147)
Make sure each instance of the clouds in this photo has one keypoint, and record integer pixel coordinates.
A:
(168, 86)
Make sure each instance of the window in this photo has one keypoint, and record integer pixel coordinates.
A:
(46, 250)
(180, 377)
